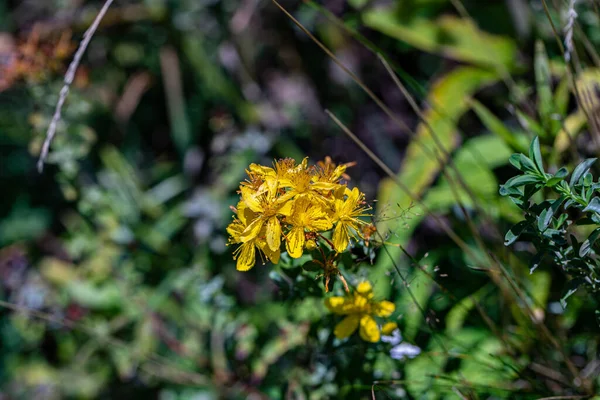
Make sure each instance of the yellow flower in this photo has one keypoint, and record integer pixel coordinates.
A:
(267, 207)
(301, 182)
(246, 253)
(345, 217)
(305, 216)
(328, 171)
(360, 308)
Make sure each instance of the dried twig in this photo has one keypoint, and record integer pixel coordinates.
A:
(571, 17)
(69, 77)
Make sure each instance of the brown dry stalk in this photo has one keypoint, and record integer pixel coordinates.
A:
(69, 77)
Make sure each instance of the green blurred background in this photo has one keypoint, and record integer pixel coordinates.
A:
(115, 278)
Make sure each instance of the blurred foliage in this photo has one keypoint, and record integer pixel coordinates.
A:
(115, 278)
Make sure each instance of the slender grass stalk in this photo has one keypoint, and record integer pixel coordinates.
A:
(69, 77)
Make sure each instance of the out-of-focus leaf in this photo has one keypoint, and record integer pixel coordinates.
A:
(459, 312)
(448, 36)
(451, 96)
(516, 140)
(545, 104)
(99, 297)
(580, 171)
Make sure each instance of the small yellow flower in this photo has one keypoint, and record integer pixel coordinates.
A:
(305, 216)
(360, 308)
(245, 254)
(267, 207)
(346, 215)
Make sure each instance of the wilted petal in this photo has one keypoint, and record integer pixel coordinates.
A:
(369, 331)
(346, 327)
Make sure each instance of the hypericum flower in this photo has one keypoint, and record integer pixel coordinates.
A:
(328, 171)
(268, 208)
(295, 203)
(360, 308)
(346, 215)
(245, 254)
(305, 216)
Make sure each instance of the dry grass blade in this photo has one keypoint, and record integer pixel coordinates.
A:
(69, 77)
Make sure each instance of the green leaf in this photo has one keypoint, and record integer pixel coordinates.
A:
(448, 36)
(558, 177)
(544, 89)
(580, 171)
(570, 288)
(529, 124)
(312, 266)
(546, 215)
(586, 247)
(521, 180)
(528, 165)
(593, 205)
(513, 234)
(450, 96)
(536, 155)
(497, 127)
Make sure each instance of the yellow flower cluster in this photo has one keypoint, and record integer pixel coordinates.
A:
(360, 308)
(295, 204)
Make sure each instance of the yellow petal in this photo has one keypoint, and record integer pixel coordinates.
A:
(286, 207)
(336, 304)
(346, 327)
(261, 170)
(246, 257)
(252, 230)
(385, 308)
(251, 199)
(388, 328)
(324, 186)
(369, 331)
(295, 242)
(320, 224)
(272, 255)
(340, 238)
(364, 288)
(273, 233)
(235, 229)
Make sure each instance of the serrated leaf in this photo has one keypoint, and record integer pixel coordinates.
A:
(581, 170)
